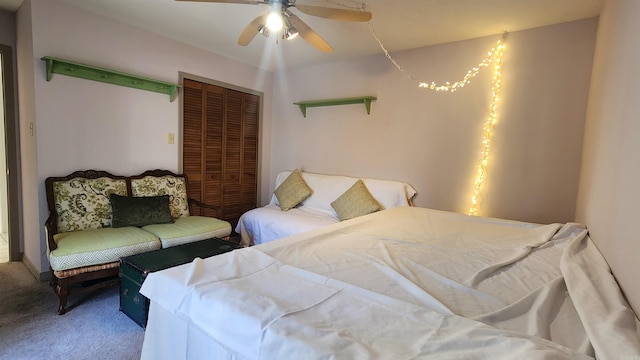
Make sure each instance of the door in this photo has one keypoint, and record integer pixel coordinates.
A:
(9, 195)
(220, 147)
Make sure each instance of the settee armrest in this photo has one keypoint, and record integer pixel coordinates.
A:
(51, 228)
(199, 208)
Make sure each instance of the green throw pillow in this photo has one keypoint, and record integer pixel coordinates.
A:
(292, 191)
(139, 211)
(356, 201)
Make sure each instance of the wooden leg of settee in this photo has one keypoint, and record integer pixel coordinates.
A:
(61, 289)
(85, 279)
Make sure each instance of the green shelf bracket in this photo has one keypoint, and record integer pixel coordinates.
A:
(366, 100)
(64, 67)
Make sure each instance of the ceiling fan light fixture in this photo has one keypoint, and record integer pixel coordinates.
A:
(264, 30)
(290, 32)
(274, 20)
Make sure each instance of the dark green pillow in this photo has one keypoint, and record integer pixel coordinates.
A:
(139, 211)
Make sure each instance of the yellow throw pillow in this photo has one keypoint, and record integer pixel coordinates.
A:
(356, 201)
(292, 191)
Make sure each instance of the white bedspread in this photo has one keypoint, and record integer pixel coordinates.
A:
(407, 283)
(268, 223)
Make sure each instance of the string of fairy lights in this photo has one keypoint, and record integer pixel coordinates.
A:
(494, 57)
(489, 124)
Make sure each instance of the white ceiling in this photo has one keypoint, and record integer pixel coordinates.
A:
(400, 24)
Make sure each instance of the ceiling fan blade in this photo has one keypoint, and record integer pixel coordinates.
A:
(250, 2)
(335, 14)
(309, 35)
(251, 30)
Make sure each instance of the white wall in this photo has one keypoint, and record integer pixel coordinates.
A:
(609, 183)
(432, 140)
(81, 124)
(33, 250)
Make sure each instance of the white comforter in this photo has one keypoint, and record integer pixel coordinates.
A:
(268, 223)
(408, 283)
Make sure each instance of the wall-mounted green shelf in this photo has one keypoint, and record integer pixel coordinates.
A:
(64, 67)
(366, 100)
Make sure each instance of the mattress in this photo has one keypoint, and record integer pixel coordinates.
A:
(401, 283)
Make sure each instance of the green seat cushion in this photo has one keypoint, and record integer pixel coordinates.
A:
(189, 229)
(99, 246)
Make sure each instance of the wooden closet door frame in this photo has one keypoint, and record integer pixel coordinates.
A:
(260, 94)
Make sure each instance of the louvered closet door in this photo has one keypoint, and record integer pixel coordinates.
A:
(251, 118)
(213, 150)
(233, 154)
(193, 120)
(241, 151)
(228, 149)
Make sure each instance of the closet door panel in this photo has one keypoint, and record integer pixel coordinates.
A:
(233, 155)
(193, 120)
(249, 190)
(212, 152)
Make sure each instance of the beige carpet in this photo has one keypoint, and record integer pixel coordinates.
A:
(30, 327)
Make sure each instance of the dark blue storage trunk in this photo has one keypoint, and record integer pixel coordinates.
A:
(134, 269)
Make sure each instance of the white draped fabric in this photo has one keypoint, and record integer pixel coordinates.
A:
(402, 283)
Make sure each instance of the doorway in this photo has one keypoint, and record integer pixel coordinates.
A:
(9, 172)
(4, 218)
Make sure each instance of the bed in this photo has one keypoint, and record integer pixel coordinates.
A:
(402, 283)
(270, 222)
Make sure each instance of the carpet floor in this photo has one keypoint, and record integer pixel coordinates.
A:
(30, 327)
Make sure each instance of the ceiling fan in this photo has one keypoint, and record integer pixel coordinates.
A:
(280, 18)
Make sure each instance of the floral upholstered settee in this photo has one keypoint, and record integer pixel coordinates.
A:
(96, 218)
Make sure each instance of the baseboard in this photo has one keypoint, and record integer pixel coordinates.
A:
(40, 276)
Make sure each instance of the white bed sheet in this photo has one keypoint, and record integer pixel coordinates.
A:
(268, 223)
(432, 282)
